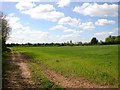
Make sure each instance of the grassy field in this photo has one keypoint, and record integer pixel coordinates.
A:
(97, 64)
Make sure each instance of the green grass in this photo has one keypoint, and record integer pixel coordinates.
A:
(40, 79)
(98, 64)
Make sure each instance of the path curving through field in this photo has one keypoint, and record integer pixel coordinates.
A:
(21, 60)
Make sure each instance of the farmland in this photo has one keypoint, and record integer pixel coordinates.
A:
(98, 64)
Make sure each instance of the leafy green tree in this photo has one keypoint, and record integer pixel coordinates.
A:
(94, 41)
(112, 40)
(117, 40)
(108, 39)
(101, 42)
(5, 30)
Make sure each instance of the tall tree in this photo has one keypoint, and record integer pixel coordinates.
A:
(5, 30)
(94, 40)
(109, 39)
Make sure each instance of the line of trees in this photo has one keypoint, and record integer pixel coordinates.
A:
(108, 41)
(113, 40)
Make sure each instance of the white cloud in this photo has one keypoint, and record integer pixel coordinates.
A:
(46, 12)
(73, 22)
(103, 22)
(72, 31)
(65, 29)
(95, 9)
(69, 30)
(14, 21)
(24, 34)
(58, 27)
(75, 36)
(10, 0)
(20, 0)
(25, 5)
(102, 35)
(87, 26)
(62, 28)
(69, 21)
(62, 3)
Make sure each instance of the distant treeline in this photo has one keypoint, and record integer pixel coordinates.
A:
(108, 41)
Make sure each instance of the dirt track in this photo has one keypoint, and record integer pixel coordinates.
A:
(20, 60)
(20, 75)
(68, 82)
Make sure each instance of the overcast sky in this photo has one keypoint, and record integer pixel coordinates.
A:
(62, 21)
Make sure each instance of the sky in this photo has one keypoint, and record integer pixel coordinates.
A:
(60, 21)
